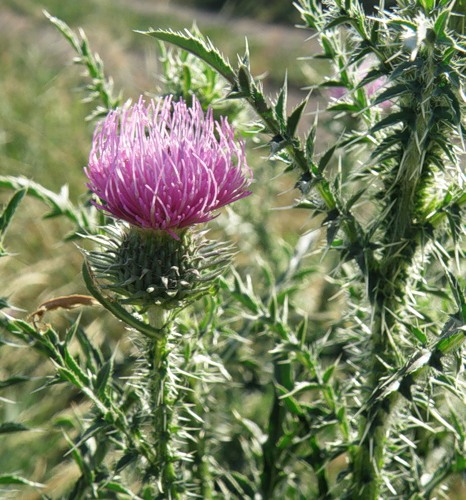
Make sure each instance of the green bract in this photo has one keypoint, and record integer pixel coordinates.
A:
(146, 267)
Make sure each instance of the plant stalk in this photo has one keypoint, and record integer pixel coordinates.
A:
(272, 473)
(402, 237)
(162, 407)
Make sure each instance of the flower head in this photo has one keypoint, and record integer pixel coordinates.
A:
(164, 166)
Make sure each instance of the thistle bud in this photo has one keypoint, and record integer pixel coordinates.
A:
(145, 267)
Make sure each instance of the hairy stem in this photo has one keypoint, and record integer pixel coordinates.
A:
(272, 472)
(162, 401)
(401, 242)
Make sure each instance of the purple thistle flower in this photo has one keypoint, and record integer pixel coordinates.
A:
(165, 166)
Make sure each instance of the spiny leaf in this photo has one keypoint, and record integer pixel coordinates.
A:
(128, 458)
(93, 355)
(355, 198)
(280, 106)
(392, 140)
(244, 82)
(65, 30)
(59, 203)
(291, 403)
(73, 366)
(69, 376)
(441, 22)
(404, 67)
(100, 426)
(360, 54)
(295, 116)
(337, 21)
(246, 59)
(103, 377)
(452, 341)
(13, 479)
(373, 75)
(201, 48)
(389, 121)
(345, 106)
(244, 294)
(392, 92)
(398, 21)
(273, 309)
(454, 106)
(100, 86)
(13, 381)
(310, 142)
(10, 209)
(119, 488)
(302, 387)
(323, 162)
(418, 333)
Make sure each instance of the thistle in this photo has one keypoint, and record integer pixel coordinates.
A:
(161, 168)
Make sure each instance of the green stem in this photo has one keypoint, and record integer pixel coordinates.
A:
(272, 455)
(202, 467)
(401, 242)
(198, 446)
(270, 470)
(162, 403)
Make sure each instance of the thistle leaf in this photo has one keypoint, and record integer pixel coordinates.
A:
(119, 488)
(13, 479)
(373, 75)
(10, 209)
(204, 49)
(344, 106)
(338, 21)
(326, 158)
(104, 378)
(295, 116)
(60, 203)
(392, 92)
(13, 381)
(280, 106)
(244, 82)
(441, 23)
(389, 121)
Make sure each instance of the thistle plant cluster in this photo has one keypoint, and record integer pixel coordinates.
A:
(235, 389)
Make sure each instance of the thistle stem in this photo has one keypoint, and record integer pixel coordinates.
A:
(402, 238)
(162, 406)
(272, 472)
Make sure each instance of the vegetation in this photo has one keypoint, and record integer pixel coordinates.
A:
(328, 363)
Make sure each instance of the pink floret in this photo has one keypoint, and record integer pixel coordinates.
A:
(164, 166)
